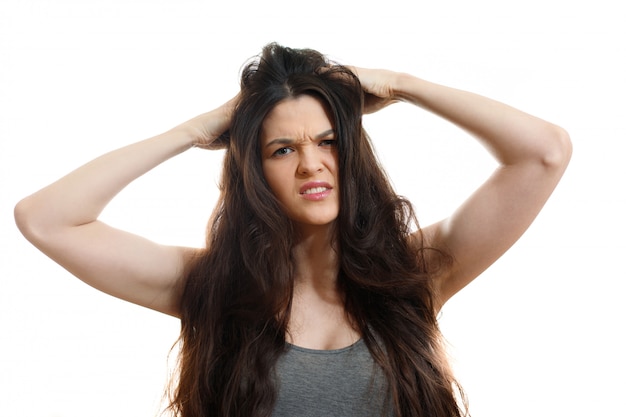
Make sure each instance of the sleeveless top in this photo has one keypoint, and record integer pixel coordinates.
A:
(343, 382)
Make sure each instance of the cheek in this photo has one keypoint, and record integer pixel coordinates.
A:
(272, 178)
(332, 162)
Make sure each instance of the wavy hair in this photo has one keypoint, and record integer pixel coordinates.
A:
(237, 297)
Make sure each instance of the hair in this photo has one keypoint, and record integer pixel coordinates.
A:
(237, 296)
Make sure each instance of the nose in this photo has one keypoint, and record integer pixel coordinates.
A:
(310, 162)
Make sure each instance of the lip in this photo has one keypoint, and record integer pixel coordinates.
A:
(315, 184)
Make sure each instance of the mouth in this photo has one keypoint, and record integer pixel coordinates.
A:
(315, 190)
(315, 187)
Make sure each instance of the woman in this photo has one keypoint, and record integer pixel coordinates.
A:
(317, 293)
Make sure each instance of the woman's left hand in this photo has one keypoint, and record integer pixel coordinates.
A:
(378, 88)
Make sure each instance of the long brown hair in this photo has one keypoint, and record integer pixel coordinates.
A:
(237, 297)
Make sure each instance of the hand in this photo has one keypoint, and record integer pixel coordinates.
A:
(208, 129)
(377, 85)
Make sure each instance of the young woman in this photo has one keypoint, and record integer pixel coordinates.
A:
(317, 293)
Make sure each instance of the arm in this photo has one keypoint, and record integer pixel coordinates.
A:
(532, 156)
(62, 219)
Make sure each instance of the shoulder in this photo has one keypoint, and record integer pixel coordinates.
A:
(438, 261)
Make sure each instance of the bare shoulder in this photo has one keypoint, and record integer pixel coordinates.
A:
(438, 259)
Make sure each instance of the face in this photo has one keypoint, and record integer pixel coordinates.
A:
(299, 156)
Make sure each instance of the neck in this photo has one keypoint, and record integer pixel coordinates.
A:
(318, 317)
(316, 259)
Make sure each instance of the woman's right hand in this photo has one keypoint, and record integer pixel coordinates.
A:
(208, 127)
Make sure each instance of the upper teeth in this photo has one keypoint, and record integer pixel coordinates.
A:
(315, 190)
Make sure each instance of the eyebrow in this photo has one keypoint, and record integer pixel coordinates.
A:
(286, 141)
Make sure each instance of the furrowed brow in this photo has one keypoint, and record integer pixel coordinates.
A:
(279, 141)
(287, 141)
(329, 132)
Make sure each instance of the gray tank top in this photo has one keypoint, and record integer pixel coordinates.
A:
(343, 382)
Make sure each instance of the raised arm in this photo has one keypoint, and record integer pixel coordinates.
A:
(62, 219)
(532, 156)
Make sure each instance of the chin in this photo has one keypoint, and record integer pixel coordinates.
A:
(316, 222)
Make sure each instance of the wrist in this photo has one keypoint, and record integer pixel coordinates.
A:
(184, 135)
(401, 83)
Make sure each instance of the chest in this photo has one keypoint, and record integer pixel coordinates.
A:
(320, 323)
(341, 382)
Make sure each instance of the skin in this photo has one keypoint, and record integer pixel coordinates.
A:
(62, 218)
(298, 151)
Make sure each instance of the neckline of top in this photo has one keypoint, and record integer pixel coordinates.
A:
(324, 351)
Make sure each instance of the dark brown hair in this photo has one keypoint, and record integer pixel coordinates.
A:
(237, 297)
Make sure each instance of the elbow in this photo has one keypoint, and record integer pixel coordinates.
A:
(22, 216)
(26, 219)
(557, 155)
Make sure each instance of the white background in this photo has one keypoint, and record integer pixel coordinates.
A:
(541, 333)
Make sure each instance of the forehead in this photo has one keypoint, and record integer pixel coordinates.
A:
(296, 118)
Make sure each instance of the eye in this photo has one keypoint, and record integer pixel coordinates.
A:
(328, 142)
(282, 152)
